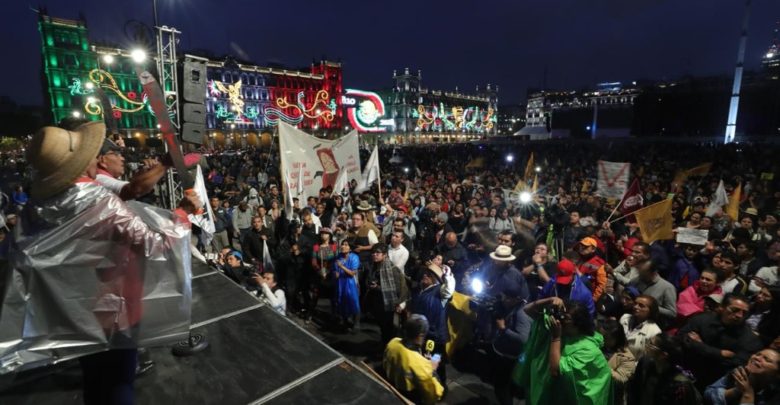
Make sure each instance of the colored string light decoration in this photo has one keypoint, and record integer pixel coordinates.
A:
(459, 118)
(320, 108)
(104, 79)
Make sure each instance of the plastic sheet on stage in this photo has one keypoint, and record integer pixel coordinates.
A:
(89, 273)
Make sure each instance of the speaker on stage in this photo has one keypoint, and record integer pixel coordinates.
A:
(193, 89)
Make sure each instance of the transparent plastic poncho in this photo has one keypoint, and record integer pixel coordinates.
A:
(89, 272)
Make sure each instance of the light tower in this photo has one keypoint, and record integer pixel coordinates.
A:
(731, 124)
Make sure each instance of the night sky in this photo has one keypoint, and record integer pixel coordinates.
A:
(455, 43)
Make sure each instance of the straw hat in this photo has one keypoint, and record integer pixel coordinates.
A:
(60, 156)
(436, 271)
(503, 254)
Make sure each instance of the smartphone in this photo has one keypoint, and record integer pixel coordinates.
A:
(436, 358)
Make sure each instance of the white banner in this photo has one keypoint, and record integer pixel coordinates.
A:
(318, 160)
(613, 179)
(692, 236)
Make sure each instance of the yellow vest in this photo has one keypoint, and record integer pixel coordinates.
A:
(409, 371)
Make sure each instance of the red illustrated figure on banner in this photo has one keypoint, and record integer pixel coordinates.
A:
(131, 95)
(117, 114)
(330, 169)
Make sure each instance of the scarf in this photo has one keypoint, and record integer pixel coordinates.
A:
(387, 284)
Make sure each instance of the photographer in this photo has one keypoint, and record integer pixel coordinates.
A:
(563, 360)
(272, 295)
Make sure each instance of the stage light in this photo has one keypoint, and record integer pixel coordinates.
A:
(108, 59)
(525, 197)
(89, 86)
(538, 169)
(510, 158)
(76, 114)
(138, 55)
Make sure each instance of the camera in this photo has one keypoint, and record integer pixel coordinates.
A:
(556, 312)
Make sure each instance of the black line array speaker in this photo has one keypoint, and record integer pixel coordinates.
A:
(193, 89)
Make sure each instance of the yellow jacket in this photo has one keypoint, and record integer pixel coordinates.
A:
(409, 371)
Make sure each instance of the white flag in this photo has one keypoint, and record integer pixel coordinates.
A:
(370, 172)
(204, 221)
(612, 179)
(341, 183)
(268, 264)
(299, 187)
(721, 199)
(288, 196)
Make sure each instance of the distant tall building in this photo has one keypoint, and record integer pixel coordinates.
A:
(771, 59)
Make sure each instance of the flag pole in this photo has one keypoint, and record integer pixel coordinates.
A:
(616, 208)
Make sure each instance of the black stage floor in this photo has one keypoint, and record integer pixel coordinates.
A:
(255, 356)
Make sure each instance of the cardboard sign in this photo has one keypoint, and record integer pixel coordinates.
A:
(692, 236)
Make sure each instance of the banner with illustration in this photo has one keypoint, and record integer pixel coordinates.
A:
(318, 161)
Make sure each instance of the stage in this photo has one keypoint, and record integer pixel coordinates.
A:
(255, 356)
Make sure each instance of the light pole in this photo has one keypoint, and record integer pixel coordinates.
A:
(731, 124)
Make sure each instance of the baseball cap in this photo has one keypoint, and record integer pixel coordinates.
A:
(589, 242)
(565, 273)
(109, 146)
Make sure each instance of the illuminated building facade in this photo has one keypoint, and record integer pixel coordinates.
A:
(606, 111)
(416, 109)
(241, 98)
(249, 97)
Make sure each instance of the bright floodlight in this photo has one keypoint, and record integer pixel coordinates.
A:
(477, 286)
(89, 86)
(510, 157)
(108, 59)
(406, 170)
(770, 55)
(538, 169)
(76, 114)
(525, 197)
(138, 55)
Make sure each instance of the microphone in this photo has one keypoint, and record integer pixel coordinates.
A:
(429, 345)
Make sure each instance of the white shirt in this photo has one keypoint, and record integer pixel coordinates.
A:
(729, 285)
(111, 183)
(398, 256)
(275, 299)
(639, 336)
(768, 274)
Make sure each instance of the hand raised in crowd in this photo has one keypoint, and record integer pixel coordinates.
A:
(501, 323)
(694, 337)
(151, 163)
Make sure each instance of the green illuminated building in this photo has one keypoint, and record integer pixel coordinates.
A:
(73, 67)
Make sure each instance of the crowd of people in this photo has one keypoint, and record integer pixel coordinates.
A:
(569, 306)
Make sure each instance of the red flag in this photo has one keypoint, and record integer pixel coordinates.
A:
(633, 200)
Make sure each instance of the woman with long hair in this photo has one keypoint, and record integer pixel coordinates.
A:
(346, 293)
(641, 324)
(322, 258)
